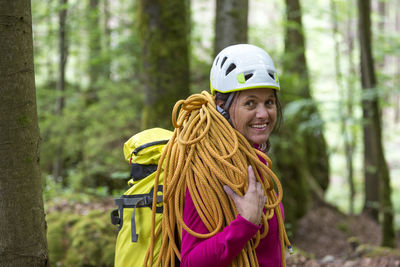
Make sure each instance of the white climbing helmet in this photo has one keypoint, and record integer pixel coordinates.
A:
(240, 67)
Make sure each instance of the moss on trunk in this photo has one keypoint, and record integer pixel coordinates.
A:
(163, 32)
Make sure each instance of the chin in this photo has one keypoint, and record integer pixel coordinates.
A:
(258, 141)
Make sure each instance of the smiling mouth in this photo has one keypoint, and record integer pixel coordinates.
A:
(259, 126)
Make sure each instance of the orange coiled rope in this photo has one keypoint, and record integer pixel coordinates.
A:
(205, 153)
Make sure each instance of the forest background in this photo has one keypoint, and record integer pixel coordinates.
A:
(105, 70)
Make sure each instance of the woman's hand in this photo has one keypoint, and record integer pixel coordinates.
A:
(250, 206)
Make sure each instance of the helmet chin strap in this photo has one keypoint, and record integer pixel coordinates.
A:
(225, 111)
(229, 101)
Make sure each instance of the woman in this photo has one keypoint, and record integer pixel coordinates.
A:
(245, 84)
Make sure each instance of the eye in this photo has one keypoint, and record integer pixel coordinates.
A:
(270, 102)
(249, 103)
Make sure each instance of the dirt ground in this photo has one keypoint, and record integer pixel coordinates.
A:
(325, 237)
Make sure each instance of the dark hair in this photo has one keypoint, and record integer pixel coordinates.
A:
(279, 119)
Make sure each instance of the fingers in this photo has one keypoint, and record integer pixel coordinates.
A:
(252, 178)
(262, 199)
(253, 184)
(259, 187)
(251, 205)
(230, 192)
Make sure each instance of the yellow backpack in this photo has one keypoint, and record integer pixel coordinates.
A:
(142, 151)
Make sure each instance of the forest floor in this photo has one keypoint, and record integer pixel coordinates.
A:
(325, 237)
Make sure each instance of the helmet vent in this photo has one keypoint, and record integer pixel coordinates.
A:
(248, 76)
(271, 75)
(230, 68)
(223, 61)
(216, 62)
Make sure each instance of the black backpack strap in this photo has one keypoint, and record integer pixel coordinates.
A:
(134, 201)
(135, 236)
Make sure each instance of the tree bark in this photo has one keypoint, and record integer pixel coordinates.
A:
(163, 34)
(370, 133)
(231, 21)
(377, 178)
(22, 223)
(60, 101)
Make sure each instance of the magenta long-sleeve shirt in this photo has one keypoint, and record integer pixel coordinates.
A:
(222, 248)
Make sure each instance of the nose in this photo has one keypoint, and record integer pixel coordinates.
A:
(262, 112)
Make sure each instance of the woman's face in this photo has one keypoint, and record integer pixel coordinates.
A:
(253, 114)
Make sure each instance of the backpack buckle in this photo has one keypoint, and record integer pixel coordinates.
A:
(115, 219)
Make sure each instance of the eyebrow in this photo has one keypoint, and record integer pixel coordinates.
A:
(254, 96)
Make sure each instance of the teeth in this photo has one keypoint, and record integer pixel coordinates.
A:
(259, 125)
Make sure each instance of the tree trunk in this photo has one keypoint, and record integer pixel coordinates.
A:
(300, 153)
(163, 33)
(22, 223)
(60, 101)
(107, 39)
(231, 20)
(381, 26)
(95, 62)
(350, 144)
(397, 66)
(343, 112)
(377, 179)
(50, 69)
(370, 133)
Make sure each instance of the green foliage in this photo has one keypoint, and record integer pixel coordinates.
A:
(89, 138)
(80, 240)
(92, 137)
(199, 75)
(92, 241)
(299, 110)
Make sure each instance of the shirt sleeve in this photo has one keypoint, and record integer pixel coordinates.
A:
(218, 250)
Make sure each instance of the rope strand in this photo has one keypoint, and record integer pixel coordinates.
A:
(204, 154)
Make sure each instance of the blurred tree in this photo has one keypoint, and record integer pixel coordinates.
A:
(60, 101)
(376, 173)
(397, 98)
(350, 141)
(230, 23)
(96, 66)
(368, 82)
(22, 224)
(163, 32)
(107, 39)
(301, 152)
(382, 11)
(85, 131)
(345, 101)
(50, 68)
